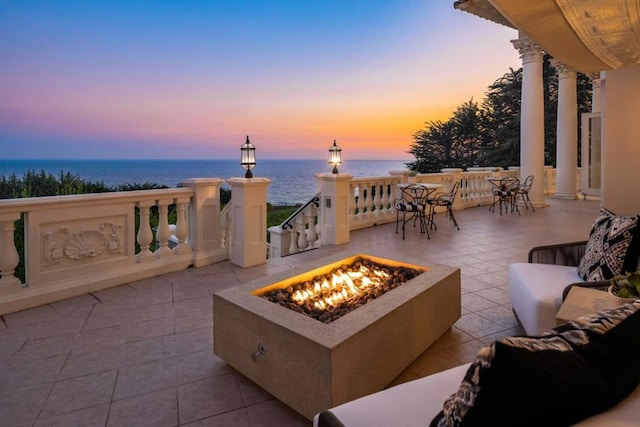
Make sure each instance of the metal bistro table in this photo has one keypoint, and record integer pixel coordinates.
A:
(504, 192)
(411, 202)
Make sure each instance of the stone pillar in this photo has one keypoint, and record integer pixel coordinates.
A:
(566, 132)
(532, 117)
(205, 237)
(334, 207)
(248, 220)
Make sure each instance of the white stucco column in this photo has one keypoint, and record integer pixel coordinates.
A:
(334, 207)
(532, 117)
(249, 220)
(596, 93)
(566, 132)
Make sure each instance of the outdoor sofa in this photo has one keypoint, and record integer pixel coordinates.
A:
(584, 373)
(538, 288)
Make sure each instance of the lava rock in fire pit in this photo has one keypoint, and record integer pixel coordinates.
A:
(332, 295)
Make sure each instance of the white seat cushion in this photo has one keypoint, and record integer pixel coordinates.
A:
(414, 403)
(535, 291)
(417, 402)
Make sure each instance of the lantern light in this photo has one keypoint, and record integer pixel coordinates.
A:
(335, 156)
(248, 157)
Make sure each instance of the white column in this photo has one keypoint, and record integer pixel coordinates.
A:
(334, 207)
(596, 93)
(249, 220)
(532, 117)
(566, 132)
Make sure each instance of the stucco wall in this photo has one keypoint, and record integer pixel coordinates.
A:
(621, 141)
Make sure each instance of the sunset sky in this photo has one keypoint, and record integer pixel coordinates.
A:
(190, 79)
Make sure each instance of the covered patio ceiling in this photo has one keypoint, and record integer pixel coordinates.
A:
(587, 35)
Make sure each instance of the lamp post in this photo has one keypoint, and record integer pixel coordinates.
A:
(248, 157)
(335, 156)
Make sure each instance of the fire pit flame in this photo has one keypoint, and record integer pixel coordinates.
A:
(343, 286)
(330, 296)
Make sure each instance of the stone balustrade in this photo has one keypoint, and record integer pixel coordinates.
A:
(83, 243)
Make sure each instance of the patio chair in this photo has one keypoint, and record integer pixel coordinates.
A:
(446, 200)
(411, 205)
(523, 192)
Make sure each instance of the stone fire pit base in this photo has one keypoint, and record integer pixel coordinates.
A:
(312, 366)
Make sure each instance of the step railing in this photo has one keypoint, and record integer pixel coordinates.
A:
(298, 233)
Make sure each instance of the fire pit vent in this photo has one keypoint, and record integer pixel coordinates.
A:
(329, 296)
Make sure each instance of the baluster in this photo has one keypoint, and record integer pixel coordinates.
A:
(182, 229)
(369, 202)
(302, 233)
(9, 257)
(225, 228)
(486, 189)
(163, 233)
(352, 201)
(374, 195)
(145, 236)
(360, 202)
(293, 240)
(384, 200)
(469, 192)
(310, 218)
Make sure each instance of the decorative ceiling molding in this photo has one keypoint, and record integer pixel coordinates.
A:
(587, 35)
(608, 28)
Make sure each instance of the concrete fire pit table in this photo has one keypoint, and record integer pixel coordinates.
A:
(310, 365)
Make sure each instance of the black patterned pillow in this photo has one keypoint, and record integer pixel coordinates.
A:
(556, 379)
(613, 247)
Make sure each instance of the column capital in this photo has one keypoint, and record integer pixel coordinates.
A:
(596, 80)
(563, 70)
(528, 49)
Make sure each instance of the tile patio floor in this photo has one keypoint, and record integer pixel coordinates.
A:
(141, 354)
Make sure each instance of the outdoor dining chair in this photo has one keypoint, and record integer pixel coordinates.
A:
(446, 200)
(411, 205)
(523, 192)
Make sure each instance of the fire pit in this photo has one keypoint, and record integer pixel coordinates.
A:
(311, 365)
(329, 296)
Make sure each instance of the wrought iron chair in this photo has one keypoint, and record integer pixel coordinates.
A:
(411, 205)
(523, 192)
(446, 200)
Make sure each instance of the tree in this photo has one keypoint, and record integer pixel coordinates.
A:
(490, 135)
(502, 120)
(454, 143)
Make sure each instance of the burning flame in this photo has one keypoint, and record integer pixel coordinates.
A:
(343, 286)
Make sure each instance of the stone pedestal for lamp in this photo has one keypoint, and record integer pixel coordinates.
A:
(249, 219)
(334, 207)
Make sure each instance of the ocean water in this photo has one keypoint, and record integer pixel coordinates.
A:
(292, 181)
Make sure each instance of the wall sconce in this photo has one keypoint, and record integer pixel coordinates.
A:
(335, 156)
(248, 157)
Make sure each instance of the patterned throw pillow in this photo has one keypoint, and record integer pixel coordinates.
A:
(556, 379)
(613, 247)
